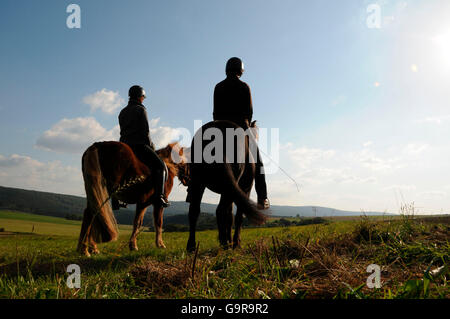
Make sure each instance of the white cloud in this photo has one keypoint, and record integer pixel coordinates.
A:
(75, 135)
(370, 160)
(104, 100)
(163, 135)
(415, 149)
(25, 172)
(435, 119)
(434, 194)
(400, 188)
(368, 179)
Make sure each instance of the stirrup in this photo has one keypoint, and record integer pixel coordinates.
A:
(164, 202)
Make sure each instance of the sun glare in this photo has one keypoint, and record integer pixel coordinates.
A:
(442, 49)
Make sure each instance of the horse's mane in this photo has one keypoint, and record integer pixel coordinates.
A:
(165, 154)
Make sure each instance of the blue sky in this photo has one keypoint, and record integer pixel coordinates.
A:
(363, 113)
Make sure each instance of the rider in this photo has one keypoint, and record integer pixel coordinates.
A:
(134, 131)
(233, 102)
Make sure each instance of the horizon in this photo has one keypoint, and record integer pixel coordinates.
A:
(362, 110)
(370, 213)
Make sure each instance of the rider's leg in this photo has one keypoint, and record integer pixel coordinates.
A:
(149, 157)
(260, 177)
(260, 184)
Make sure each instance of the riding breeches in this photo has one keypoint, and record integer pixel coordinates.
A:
(149, 157)
(260, 177)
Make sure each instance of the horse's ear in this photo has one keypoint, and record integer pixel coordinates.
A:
(177, 147)
(169, 147)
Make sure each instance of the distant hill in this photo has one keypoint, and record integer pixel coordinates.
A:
(58, 205)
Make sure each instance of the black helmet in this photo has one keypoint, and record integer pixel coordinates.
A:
(235, 66)
(136, 92)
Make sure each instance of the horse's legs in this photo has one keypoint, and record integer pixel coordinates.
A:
(83, 246)
(224, 215)
(158, 222)
(229, 223)
(194, 210)
(238, 226)
(237, 229)
(93, 249)
(137, 224)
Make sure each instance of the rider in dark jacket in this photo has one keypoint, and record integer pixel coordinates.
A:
(233, 102)
(135, 132)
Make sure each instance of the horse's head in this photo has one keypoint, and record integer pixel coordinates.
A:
(175, 156)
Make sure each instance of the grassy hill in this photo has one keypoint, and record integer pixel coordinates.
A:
(58, 205)
(301, 262)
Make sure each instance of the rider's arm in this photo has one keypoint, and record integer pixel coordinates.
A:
(249, 105)
(144, 128)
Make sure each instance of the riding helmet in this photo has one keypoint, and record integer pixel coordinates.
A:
(235, 66)
(136, 92)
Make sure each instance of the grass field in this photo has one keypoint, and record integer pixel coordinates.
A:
(314, 261)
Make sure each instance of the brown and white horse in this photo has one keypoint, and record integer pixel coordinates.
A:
(110, 169)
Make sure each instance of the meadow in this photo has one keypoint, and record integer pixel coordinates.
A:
(311, 261)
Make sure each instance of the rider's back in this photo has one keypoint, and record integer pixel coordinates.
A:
(233, 101)
(134, 125)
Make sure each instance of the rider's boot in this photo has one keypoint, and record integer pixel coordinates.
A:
(160, 191)
(263, 203)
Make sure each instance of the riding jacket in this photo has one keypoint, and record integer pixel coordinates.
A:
(233, 101)
(134, 127)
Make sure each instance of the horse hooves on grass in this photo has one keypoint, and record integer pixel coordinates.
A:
(133, 248)
(85, 253)
(191, 248)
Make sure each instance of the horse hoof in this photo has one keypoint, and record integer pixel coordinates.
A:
(190, 248)
(133, 248)
(161, 245)
(95, 251)
(85, 253)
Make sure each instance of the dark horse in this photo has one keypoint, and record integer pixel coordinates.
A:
(110, 169)
(231, 179)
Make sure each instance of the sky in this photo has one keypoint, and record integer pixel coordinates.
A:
(362, 112)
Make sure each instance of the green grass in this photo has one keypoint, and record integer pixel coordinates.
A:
(314, 261)
(18, 222)
(4, 214)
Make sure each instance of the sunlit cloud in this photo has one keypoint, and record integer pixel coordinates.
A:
(105, 100)
(25, 172)
(435, 119)
(77, 134)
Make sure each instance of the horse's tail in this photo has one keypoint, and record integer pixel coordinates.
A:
(104, 224)
(241, 199)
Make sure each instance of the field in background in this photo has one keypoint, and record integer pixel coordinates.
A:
(313, 261)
